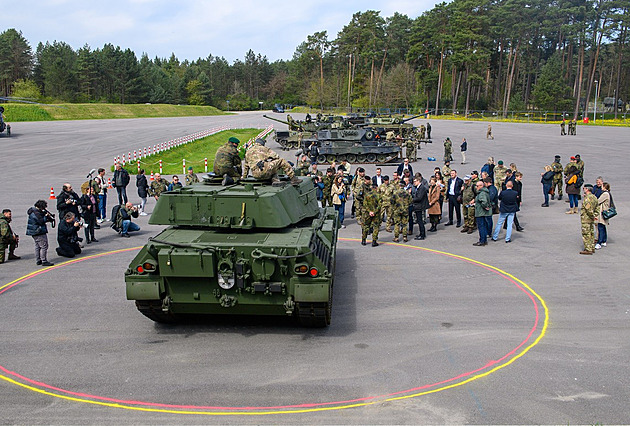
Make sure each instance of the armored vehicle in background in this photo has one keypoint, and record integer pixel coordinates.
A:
(294, 139)
(356, 146)
(398, 125)
(251, 248)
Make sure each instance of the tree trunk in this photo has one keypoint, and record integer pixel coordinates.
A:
(456, 95)
(579, 79)
(467, 90)
(439, 86)
(508, 85)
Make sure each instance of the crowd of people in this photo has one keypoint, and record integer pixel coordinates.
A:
(402, 203)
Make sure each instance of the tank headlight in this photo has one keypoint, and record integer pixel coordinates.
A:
(301, 269)
(148, 266)
(140, 269)
(226, 282)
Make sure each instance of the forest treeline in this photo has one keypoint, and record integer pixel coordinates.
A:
(464, 55)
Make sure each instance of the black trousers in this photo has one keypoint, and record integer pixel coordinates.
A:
(122, 194)
(419, 219)
(453, 204)
(66, 249)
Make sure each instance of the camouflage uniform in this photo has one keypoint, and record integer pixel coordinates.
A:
(387, 196)
(556, 167)
(264, 163)
(448, 150)
(7, 239)
(303, 165)
(422, 131)
(157, 187)
(371, 223)
(580, 166)
(446, 172)
(358, 189)
(562, 131)
(227, 160)
(401, 200)
(588, 214)
(500, 172)
(191, 178)
(390, 136)
(468, 195)
(327, 181)
(410, 148)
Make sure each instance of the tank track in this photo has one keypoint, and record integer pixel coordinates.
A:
(152, 309)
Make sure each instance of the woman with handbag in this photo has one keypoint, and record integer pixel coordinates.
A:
(338, 192)
(572, 189)
(604, 201)
(546, 180)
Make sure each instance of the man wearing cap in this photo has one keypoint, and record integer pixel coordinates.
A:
(580, 165)
(562, 130)
(265, 164)
(191, 177)
(500, 171)
(226, 160)
(468, 195)
(588, 217)
(556, 168)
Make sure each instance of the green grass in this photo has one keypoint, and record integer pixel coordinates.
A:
(193, 152)
(29, 112)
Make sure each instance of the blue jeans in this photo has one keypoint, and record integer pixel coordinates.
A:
(129, 226)
(482, 226)
(602, 233)
(341, 208)
(546, 189)
(102, 205)
(573, 200)
(497, 229)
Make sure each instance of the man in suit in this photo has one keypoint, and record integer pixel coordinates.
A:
(404, 166)
(454, 195)
(377, 180)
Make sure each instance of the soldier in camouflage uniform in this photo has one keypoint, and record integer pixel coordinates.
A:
(448, 150)
(7, 238)
(580, 165)
(158, 186)
(390, 136)
(226, 160)
(423, 131)
(588, 217)
(328, 181)
(371, 219)
(191, 177)
(385, 192)
(410, 150)
(446, 170)
(556, 168)
(303, 165)
(468, 195)
(357, 187)
(500, 171)
(401, 200)
(265, 164)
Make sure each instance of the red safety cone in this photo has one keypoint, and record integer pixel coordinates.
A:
(109, 183)
(151, 176)
(52, 194)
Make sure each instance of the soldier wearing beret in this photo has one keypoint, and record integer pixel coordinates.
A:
(226, 160)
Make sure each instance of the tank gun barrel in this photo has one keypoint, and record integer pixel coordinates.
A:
(411, 118)
(275, 119)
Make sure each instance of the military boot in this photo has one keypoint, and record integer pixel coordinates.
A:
(464, 229)
(375, 243)
(13, 257)
(363, 242)
(559, 197)
(296, 180)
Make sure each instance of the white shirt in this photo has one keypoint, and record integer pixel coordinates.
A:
(451, 188)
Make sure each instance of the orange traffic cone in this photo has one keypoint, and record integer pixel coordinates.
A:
(109, 183)
(151, 176)
(52, 194)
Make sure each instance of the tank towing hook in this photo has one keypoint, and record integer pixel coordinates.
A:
(289, 305)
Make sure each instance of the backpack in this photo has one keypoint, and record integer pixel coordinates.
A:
(579, 182)
(116, 224)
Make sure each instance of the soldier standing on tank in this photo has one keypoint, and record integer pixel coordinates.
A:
(556, 168)
(227, 162)
(562, 130)
(448, 150)
(588, 216)
(500, 171)
(265, 164)
(158, 186)
(328, 181)
(410, 150)
(371, 212)
(191, 177)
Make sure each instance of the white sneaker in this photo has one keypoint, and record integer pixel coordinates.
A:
(597, 246)
(603, 244)
(343, 226)
(99, 221)
(143, 214)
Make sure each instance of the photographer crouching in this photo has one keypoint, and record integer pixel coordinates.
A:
(124, 216)
(38, 216)
(67, 237)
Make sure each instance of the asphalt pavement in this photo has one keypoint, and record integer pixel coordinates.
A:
(435, 331)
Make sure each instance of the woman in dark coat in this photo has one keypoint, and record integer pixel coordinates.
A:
(89, 206)
(573, 189)
(143, 190)
(36, 228)
(546, 180)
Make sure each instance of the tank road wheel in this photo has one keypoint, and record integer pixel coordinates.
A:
(351, 158)
(371, 158)
(361, 158)
(341, 157)
(321, 159)
(330, 158)
(369, 135)
(381, 158)
(152, 309)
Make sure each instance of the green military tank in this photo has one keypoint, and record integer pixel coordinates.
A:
(296, 135)
(362, 145)
(400, 126)
(250, 248)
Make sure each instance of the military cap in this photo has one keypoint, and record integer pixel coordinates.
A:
(366, 177)
(588, 185)
(360, 170)
(500, 162)
(467, 177)
(190, 168)
(386, 178)
(234, 140)
(474, 172)
(577, 156)
(572, 158)
(557, 157)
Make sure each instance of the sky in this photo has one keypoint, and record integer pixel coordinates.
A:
(191, 29)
